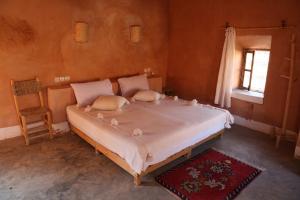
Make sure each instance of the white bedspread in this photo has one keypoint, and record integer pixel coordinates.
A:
(167, 128)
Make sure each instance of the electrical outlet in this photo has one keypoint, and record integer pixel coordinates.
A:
(59, 79)
(56, 79)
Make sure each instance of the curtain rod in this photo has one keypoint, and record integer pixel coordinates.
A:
(263, 28)
(282, 27)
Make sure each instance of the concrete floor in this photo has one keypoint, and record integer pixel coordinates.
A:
(67, 168)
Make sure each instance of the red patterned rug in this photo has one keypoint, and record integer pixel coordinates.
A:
(211, 175)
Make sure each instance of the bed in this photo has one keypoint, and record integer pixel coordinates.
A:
(171, 129)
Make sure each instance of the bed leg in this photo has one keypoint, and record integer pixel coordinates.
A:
(97, 153)
(71, 129)
(189, 154)
(137, 180)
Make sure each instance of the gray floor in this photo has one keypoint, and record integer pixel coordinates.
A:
(67, 168)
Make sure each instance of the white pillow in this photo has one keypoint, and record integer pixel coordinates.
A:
(86, 93)
(129, 86)
(110, 102)
(146, 95)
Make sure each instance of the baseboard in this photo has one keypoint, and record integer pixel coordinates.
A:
(263, 127)
(9, 132)
(61, 127)
(15, 131)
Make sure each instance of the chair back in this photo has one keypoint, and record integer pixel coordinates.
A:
(26, 87)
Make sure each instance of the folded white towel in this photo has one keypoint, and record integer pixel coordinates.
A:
(88, 108)
(175, 98)
(194, 102)
(114, 122)
(100, 116)
(137, 132)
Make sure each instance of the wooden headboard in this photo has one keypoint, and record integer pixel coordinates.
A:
(59, 97)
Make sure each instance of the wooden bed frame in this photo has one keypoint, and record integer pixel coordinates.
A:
(66, 96)
(123, 164)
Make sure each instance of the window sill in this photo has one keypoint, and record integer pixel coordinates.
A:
(249, 96)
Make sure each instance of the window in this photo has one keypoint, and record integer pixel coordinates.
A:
(255, 68)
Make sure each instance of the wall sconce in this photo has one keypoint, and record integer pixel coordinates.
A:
(135, 33)
(81, 32)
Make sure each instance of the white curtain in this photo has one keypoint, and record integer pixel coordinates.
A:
(224, 85)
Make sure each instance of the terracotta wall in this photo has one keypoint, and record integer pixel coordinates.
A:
(195, 47)
(36, 39)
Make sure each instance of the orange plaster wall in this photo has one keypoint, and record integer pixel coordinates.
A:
(195, 47)
(36, 39)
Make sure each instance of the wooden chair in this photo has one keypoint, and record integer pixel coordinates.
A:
(31, 115)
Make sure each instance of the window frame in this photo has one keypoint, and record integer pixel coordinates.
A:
(252, 51)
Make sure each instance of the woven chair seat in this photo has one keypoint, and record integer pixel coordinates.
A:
(34, 111)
